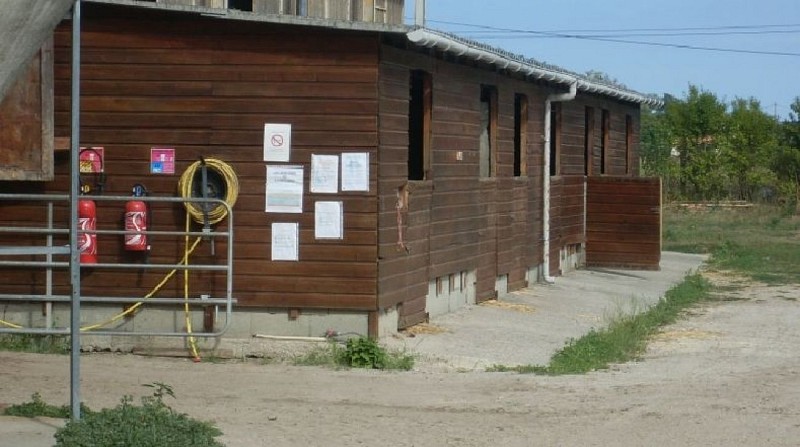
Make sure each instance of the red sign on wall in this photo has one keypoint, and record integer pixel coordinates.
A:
(162, 160)
(91, 160)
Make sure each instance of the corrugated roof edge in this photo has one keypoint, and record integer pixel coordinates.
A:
(477, 51)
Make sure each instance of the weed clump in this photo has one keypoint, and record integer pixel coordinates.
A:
(151, 424)
(360, 352)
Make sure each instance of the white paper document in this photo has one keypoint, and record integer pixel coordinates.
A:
(284, 189)
(277, 142)
(328, 220)
(324, 173)
(355, 171)
(285, 241)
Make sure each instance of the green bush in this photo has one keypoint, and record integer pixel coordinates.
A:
(363, 352)
(151, 424)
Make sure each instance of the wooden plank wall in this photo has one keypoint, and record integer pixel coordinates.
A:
(206, 87)
(624, 222)
(403, 250)
(456, 221)
(566, 216)
(567, 191)
(616, 153)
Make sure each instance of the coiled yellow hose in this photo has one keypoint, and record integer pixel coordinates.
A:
(186, 183)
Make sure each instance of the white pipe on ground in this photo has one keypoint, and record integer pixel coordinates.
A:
(548, 106)
(290, 338)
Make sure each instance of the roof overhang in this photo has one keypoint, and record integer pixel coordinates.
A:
(503, 60)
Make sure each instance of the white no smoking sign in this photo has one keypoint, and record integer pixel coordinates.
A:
(277, 142)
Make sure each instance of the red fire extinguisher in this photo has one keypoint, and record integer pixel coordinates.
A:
(87, 221)
(136, 221)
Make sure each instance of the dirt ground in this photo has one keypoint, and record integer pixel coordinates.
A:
(727, 375)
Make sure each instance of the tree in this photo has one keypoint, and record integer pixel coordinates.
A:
(656, 149)
(696, 125)
(750, 141)
(604, 78)
(786, 161)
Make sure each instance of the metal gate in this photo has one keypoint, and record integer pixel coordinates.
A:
(49, 257)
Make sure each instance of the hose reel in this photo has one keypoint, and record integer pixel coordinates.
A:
(213, 179)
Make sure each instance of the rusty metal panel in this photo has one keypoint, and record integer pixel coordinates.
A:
(26, 122)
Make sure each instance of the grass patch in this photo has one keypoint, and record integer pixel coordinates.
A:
(361, 352)
(36, 408)
(36, 343)
(760, 242)
(624, 339)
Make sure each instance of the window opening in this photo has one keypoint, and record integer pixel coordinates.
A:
(588, 141)
(628, 143)
(604, 143)
(555, 139)
(241, 5)
(520, 134)
(488, 137)
(419, 125)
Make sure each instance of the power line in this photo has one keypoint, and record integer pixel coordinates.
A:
(529, 35)
(618, 30)
(626, 41)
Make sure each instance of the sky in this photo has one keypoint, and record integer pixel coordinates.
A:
(742, 25)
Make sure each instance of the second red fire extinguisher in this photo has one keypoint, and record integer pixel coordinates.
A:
(136, 221)
(87, 221)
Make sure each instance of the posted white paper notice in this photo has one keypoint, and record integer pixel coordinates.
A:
(285, 241)
(284, 189)
(328, 220)
(277, 142)
(324, 173)
(355, 171)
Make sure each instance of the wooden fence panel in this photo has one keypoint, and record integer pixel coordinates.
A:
(623, 222)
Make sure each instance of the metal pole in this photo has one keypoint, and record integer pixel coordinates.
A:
(48, 288)
(74, 259)
(419, 13)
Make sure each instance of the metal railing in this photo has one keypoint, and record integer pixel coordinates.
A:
(48, 264)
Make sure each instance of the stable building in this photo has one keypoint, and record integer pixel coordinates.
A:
(384, 174)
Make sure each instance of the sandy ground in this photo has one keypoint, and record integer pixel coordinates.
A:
(727, 375)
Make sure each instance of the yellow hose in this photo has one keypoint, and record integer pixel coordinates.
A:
(10, 324)
(186, 313)
(219, 212)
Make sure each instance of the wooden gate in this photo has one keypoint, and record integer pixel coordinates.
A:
(623, 222)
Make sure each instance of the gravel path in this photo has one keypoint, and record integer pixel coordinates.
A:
(727, 375)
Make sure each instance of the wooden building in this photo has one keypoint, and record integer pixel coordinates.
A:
(486, 172)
